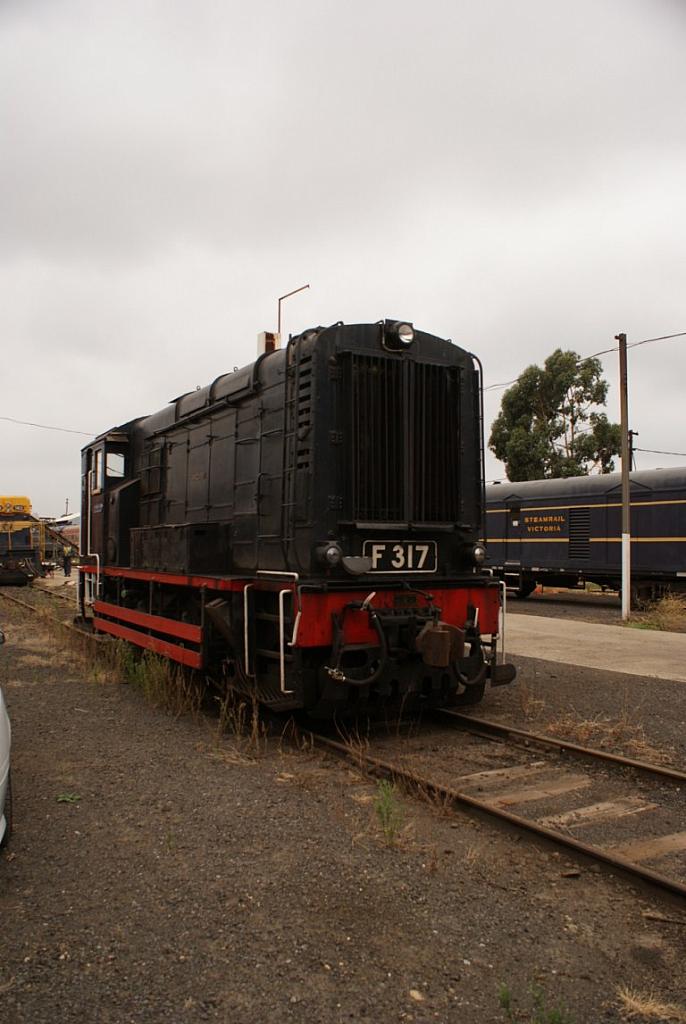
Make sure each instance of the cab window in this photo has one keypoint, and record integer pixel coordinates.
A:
(96, 480)
(114, 466)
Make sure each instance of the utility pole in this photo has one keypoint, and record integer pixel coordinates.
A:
(626, 467)
(632, 454)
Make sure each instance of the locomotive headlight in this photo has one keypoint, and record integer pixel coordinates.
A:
(405, 333)
(330, 554)
(479, 554)
(397, 335)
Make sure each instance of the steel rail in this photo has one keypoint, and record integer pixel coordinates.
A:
(59, 622)
(467, 722)
(16, 600)
(54, 593)
(377, 766)
(22, 604)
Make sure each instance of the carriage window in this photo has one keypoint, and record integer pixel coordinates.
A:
(96, 478)
(115, 466)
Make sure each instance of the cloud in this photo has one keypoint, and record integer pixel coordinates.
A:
(508, 175)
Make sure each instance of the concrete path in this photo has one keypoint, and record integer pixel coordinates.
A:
(639, 652)
(58, 581)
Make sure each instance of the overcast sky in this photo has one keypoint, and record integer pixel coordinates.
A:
(509, 175)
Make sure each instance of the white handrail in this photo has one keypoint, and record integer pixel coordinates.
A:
(503, 609)
(89, 553)
(282, 640)
(246, 642)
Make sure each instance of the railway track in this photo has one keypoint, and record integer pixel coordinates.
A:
(66, 595)
(625, 809)
(60, 608)
(38, 599)
(626, 814)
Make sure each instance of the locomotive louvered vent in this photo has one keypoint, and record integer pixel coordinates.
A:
(304, 408)
(579, 532)
(151, 471)
(404, 431)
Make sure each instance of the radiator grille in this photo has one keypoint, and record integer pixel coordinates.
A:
(404, 431)
(434, 443)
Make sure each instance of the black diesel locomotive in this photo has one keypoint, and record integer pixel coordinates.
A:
(307, 526)
(564, 533)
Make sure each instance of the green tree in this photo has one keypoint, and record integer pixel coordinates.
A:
(550, 423)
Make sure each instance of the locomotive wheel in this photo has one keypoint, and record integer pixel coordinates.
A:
(525, 588)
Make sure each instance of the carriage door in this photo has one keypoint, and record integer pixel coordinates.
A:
(513, 547)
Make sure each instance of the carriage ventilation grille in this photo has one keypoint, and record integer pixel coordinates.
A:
(579, 532)
(405, 450)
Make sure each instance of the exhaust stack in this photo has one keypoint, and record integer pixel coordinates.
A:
(268, 341)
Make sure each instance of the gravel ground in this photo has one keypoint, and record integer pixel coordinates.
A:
(624, 713)
(160, 874)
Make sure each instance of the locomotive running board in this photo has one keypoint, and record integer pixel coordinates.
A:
(159, 624)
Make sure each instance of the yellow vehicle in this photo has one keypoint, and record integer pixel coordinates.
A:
(20, 541)
(11, 505)
(29, 546)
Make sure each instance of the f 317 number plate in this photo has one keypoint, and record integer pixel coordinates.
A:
(401, 555)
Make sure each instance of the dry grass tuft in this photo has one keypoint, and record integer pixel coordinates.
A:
(472, 856)
(97, 656)
(356, 742)
(638, 1004)
(294, 740)
(239, 718)
(667, 614)
(530, 705)
(624, 734)
(442, 803)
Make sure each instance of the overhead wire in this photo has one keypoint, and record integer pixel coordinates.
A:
(655, 451)
(663, 337)
(594, 355)
(45, 426)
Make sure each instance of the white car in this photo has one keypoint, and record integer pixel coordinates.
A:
(5, 782)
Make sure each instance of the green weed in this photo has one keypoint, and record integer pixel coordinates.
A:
(162, 682)
(505, 1001)
(388, 811)
(539, 1012)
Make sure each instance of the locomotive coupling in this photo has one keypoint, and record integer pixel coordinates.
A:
(440, 644)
